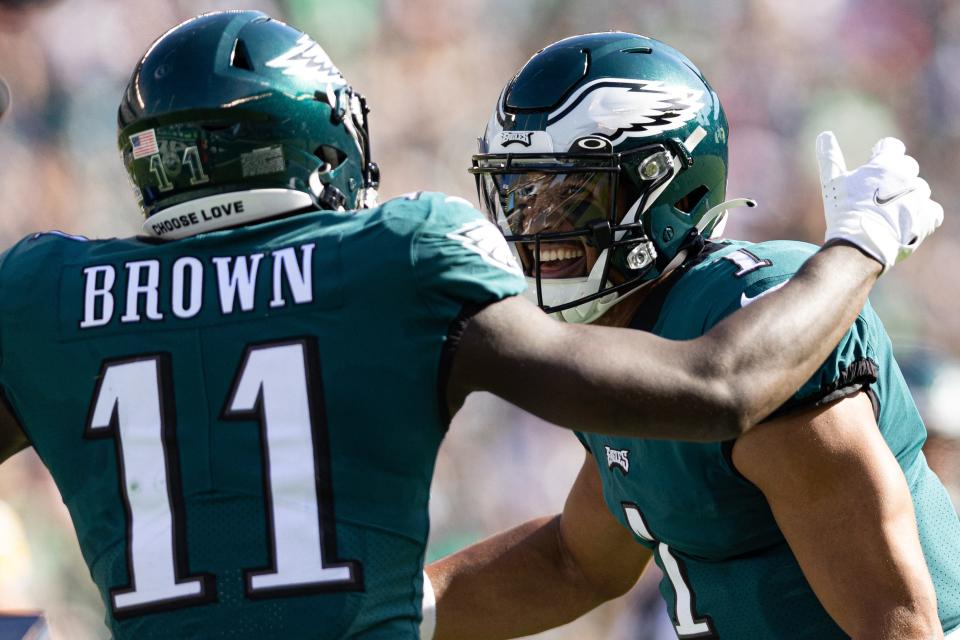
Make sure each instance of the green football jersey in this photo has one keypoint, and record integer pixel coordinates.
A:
(728, 572)
(244, 424)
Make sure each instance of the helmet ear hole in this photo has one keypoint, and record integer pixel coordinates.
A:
(693, 198)
(332, 156)
(240, 57)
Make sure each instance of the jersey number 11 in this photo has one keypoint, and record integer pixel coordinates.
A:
(276, 385)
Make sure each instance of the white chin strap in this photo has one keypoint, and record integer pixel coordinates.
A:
(720, 211)
(590, 311)
(557, 291)
(223, 210)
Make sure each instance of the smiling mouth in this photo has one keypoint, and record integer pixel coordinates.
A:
(558, 260)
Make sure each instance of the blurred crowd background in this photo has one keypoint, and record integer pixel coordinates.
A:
(432, 70)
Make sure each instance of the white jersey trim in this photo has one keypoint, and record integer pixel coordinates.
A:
(429, 621)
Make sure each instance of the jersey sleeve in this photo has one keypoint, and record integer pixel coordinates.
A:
(13, 271)
(7, 258)
(850, 367)
(461, 259)
(582, 437)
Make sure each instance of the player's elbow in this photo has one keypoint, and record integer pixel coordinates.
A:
(708, 413)
(731, 408)
(904, 623)
(717, 409)
(594, 585)
(715, 404)
(612, 589)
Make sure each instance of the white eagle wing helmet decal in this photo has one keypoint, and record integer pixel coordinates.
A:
(308, 60)
(620, 108)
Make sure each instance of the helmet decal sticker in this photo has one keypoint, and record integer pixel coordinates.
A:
(144, 144)
(487, 241)
(262, 161)
(309, 60)
(620, 108)
(695, 138)
(592, 143)
(508, 138)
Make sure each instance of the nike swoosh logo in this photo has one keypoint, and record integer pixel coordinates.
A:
(745, 300)
(893, 196)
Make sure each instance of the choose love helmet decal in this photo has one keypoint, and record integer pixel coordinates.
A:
(232, 117)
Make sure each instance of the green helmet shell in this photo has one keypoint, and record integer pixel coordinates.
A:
(232, 103)
(617, 96)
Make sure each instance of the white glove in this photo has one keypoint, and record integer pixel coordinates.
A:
(883, 206)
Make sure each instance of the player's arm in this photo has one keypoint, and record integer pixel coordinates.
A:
(628, 382)
(539, 575)
(625, 382)
(12, 438)
(843, 505)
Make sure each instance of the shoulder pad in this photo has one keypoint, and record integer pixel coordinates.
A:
(60, 234)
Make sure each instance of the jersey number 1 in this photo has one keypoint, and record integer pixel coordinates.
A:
(686, 622)
(277, 385)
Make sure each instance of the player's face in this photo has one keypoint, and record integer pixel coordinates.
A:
(554, 203)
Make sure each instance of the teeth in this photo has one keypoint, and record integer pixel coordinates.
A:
(564, 253)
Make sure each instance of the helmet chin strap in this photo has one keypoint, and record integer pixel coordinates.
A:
(719, 210)
(590, 311)
(633, 213)
(599, 307)
(370, 199)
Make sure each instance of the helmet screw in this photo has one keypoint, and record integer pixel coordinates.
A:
(642, 255)
(667, 235)
(352, 183)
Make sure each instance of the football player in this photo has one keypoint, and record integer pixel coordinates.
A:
(605, 163)
(242, 407)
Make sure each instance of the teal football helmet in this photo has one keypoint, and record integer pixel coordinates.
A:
(604, 162)
(233, 117)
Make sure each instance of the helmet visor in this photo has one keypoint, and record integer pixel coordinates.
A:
(550, 210)
(535, 202)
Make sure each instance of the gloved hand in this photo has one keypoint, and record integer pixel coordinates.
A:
(883, 207)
